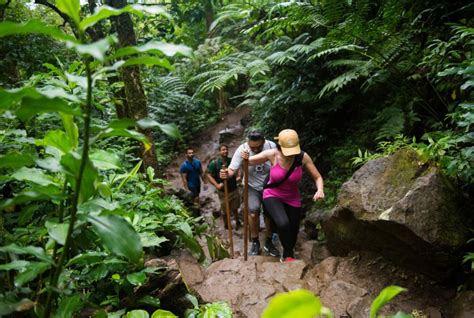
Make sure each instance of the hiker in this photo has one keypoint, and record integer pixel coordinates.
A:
(233, 192)
(283, 202)
(191, 174)
(256, 143)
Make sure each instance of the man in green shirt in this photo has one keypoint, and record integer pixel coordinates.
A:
(233, 192)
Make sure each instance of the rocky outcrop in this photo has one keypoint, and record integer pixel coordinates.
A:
(404, 210)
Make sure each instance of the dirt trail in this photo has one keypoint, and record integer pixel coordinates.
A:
(347, 285)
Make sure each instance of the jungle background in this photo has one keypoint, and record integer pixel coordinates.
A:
(98, 97)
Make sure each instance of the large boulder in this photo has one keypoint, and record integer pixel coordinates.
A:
(406, 211)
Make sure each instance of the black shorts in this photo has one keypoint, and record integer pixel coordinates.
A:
(195, 191)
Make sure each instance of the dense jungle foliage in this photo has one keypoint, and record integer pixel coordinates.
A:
(96, 97)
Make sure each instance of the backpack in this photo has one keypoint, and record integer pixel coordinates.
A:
(296, 163)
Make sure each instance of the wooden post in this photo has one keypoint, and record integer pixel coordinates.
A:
(246, 207)
(227, 211)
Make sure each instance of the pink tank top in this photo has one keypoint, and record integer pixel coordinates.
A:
(288, 191)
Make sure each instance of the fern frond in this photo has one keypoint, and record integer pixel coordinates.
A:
(280, 58)
(339, 82)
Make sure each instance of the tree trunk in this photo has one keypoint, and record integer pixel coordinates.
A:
(134, 92)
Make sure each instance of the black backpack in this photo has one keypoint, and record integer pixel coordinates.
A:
(296, 163)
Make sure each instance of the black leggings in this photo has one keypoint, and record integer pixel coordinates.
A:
(287, 219)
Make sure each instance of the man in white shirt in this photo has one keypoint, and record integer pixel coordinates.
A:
(255, 144)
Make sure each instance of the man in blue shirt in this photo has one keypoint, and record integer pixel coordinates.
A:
(192, 173)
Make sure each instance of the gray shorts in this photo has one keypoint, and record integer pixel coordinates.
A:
(255, 200)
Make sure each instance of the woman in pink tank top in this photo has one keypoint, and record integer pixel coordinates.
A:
(281, 197)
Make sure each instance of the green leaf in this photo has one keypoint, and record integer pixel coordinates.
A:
(33, 175)
(150, 300)
(38, 252)
(34, 26)
(32, 106)
(16, 265)
(24, 196)
(138, 313)
(136, 279)
(57, 139)
(118, 236)
(57, 231)
(105, 160)
(169, 129)
(384, 297)
(71, 163)
(15, 160)
(68, 306)
(70, 7)
(130, 175)
(193, 245)
(109, 132)
(149, 239)
(148, 60)
(124, 123)
(105, 12)
(154, 47)
(71, 129)
(89, 258)
(32, 271)
(160, 313)
(97, 49)
(298, 303)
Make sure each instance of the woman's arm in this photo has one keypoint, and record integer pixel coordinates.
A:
(259, 158)
(308, 164)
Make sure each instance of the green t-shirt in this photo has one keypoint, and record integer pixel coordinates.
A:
(213, 169)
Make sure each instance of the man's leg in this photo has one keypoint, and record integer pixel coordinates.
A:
(254, 220)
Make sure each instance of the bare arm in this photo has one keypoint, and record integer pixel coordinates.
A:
(213, 181)
(308, 164)
(183, 178)
(264, 156)
(203, 176)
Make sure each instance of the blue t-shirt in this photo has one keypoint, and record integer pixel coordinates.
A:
(192, 171)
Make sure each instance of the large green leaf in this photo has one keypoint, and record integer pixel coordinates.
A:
(160, 313)
(24, 196)
(138, 313)
(118, 236)
(34, 26)
(149, 60)
(71, 129)
(130, 175)
(298, 303)
(15, 160)
(89, 258)
(38, 252)
(31, 272)
(105, 160)
(137, 278)
(70, 7)
(169, 129)
(154, 47)
(105, 12)
(16, 265)
(97, 49)
(384, 297)
(71, 163)
(33, 175)
(57, 231)
(68, 306)
(57, 139)
(109, 132)
(149, 239)
(32, 106)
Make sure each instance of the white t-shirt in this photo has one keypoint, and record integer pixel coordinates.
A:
(257, 173)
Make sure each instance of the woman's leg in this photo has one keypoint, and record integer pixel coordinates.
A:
(276, 210)
(294, 216)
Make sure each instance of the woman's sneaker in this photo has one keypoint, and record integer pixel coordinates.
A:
(270, 248)
(287, 259)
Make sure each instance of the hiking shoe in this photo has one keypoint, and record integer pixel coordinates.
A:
(287, 260)
(255, 249)
(270, 248)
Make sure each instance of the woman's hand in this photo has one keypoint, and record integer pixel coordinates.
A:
(318, 195)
